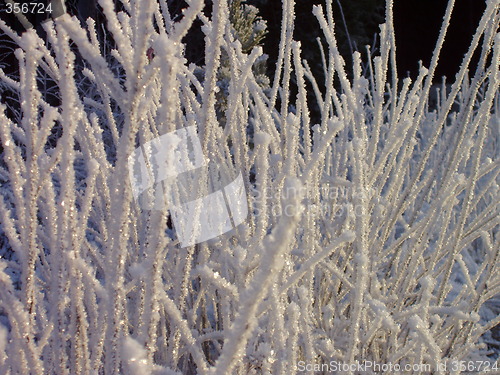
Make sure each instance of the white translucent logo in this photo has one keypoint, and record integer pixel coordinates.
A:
(171, 172)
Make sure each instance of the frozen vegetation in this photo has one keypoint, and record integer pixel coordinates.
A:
(372, 235)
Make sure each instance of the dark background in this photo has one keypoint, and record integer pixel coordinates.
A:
(417, 24)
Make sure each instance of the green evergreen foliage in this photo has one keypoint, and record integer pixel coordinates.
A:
(250, 29)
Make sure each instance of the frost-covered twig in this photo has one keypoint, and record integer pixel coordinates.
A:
(371, 236)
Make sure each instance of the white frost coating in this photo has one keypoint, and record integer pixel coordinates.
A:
(426, 337)
(140, 177)
(135, 358)
(235, 195)
(274, 245)
(3, 342)
(201, 219)
(160, 162)
(262, 139)
(163, 157)
(371, 235)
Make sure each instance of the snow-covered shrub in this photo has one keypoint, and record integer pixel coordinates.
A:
(249, 29)
(372, 235)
